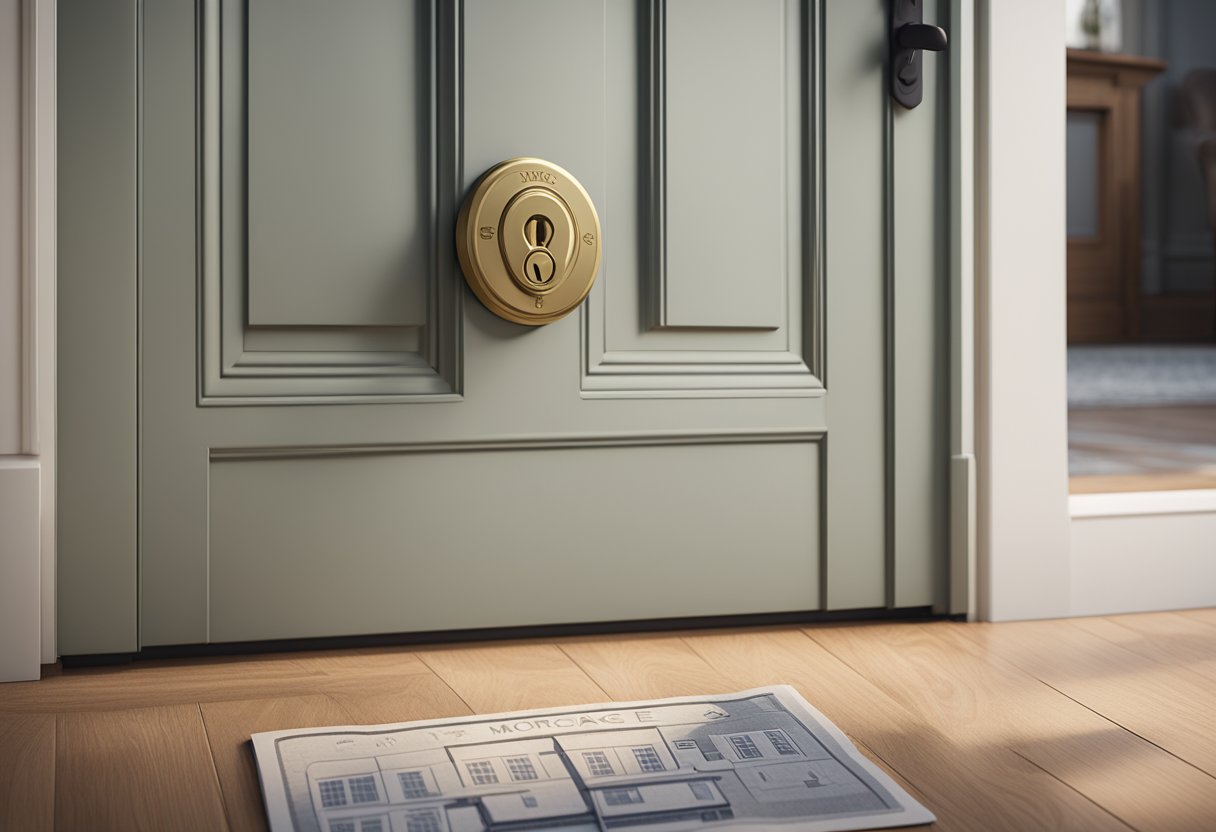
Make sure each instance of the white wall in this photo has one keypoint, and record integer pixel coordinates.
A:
(1137, 552)
(27, 317)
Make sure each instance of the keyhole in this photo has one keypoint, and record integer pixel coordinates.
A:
(538, 230)
(539, 267)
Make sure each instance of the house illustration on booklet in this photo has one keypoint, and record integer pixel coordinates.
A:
(695, 767)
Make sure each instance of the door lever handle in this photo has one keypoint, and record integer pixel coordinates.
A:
(921, 36)
(910, 38)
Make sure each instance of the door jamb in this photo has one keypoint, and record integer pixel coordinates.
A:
(961, 506)
(1022, 564)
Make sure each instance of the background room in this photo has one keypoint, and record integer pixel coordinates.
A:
(1141, 159)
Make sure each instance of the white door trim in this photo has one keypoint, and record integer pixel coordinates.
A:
(1042, 553)
(42, 242)
(1144, 504)
(1023, 554)
(962, 199)
(27, 471)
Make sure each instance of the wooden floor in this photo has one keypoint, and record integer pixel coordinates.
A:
(1086, 724)
(1142, 449)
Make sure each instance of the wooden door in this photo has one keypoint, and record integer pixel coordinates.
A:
(313, 429)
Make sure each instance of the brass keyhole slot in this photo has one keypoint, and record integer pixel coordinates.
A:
(539, 267)
(538, 231)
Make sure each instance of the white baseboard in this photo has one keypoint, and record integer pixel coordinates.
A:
(1142, 552)
(20, 564)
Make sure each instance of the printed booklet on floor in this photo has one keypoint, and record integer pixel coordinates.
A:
(753, 760)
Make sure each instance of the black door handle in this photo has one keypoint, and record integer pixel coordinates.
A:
(921, 36)
(910, 36)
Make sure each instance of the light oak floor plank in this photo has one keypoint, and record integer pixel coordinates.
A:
(146, 684)
(994, 727)
(1113, 483)
(1207, 616)
(27, 772)
(210, 679)
(410, 698)
(658, 667)
(512, 677)
(1168, 705)
(229, 726)
(983, 701)
(968, 787)
(382, 673)
(909, 787)
(377, 687)
(397, 661)
(147, 768)
(1164, 637)
(645, 667)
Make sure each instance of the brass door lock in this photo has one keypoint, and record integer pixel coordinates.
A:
(528, 239)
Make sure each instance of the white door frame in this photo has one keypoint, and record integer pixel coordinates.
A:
(27, 464)
(1021, 412)
(1041, 553)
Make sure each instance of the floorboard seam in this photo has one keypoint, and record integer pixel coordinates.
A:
(1011, 663)
(1152, 652)
(55, 768)
(1123, 727)
(219, 786)
(1073, 789)
(909, 782)
(55, 772)
(445, 683)
(845, 662)
(608, 697)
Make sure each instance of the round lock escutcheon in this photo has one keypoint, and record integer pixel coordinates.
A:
(528, 240)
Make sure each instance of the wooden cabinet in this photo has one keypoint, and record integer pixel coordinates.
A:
(1104, 202)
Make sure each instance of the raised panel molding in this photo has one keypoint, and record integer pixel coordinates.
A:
(751, 436)
(645, 333)
(389, 359)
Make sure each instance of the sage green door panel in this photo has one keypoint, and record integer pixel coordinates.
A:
(338, 170)
(918, 347)
(96, 469)
(725, 167)
(381, 542)
(856, 227)
(336, 438)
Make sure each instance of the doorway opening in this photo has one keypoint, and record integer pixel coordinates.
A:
(1141, 214)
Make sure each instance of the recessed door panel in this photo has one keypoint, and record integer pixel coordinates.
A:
(339, 161)
(437, 540)
(722, 127)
